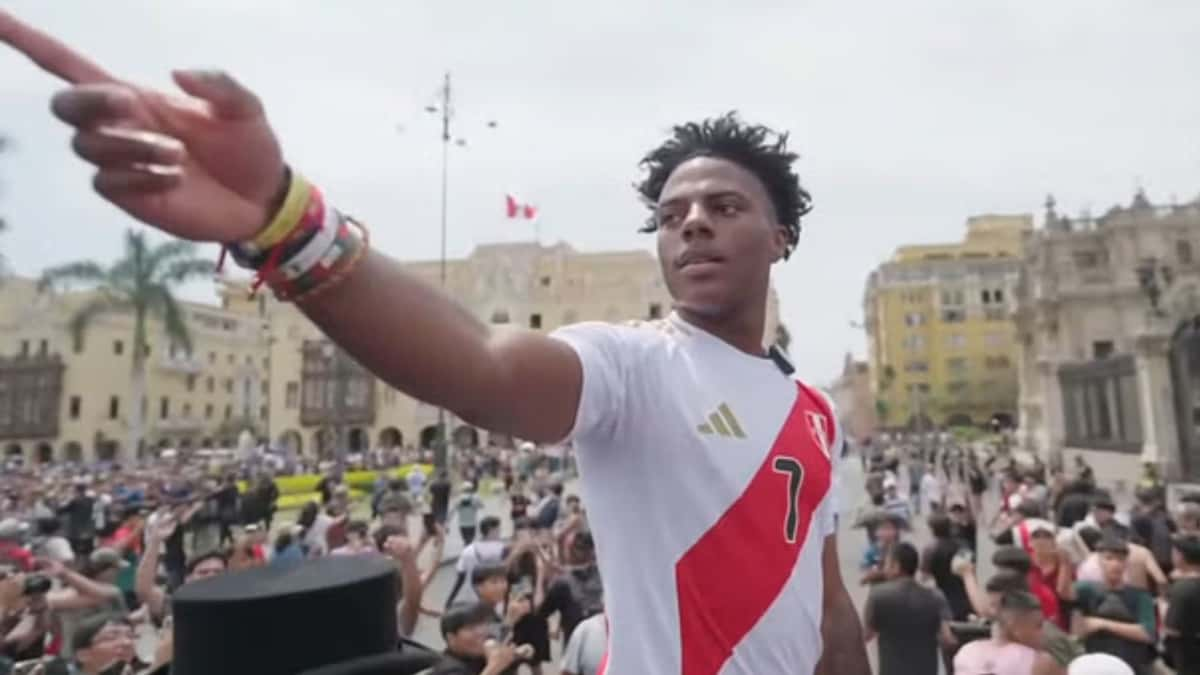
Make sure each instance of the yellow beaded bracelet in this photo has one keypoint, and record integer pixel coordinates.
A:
(289, 216)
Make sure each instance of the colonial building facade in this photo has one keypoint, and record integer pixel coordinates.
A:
(942, 345)
(65, 401)
(1108, 316)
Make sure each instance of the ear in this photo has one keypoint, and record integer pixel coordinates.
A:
(778, 243)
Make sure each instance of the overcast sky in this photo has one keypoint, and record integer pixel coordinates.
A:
(910, 116)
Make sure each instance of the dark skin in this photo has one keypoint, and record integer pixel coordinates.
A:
(718, 237)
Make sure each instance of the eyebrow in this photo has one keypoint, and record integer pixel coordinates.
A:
(717, 194)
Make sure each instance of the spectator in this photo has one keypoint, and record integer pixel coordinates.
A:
(585, 650)
(1182, 624)
(936, 564)
(909, 619)
(1018, 623)
(469, 649)
(467, 510)
(1112, 617)
(489, 550)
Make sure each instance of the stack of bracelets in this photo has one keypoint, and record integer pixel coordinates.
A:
(306, 249)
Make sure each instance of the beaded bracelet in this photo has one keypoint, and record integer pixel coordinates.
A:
(349, 249)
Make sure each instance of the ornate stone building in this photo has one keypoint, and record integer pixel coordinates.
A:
(1108, 313)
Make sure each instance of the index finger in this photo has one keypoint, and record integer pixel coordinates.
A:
(49, 53)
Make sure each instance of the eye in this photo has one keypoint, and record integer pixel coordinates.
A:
(728, 208)
(668, 217)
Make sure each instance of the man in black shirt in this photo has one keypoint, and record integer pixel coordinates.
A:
(439, 497)
(908, 618)
(81, 520)
(962, 527)
(936, 563)
(1182, 624)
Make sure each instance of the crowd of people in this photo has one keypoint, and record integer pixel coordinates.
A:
(90, 556)
(1079, 583)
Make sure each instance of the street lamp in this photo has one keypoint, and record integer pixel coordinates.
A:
(444, 108)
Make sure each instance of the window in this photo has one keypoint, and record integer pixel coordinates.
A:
(43, 348)
(212, 358)
(993, 339)
(118, 347)
(24, 348)
(1100, 404)
(999, 362)
(1183, 251)
(957, 387)
(986, 296)
(77, 346)
(145, 350)
(1102, 349)
(75, 404)
(229, 359)
(918, 388)
(262, 412)
(229, 385)
(500, 316)
(191, 382)
(228, 411)
(187, 409)
(914, 343)
(114, 407)
(655, 311)
(954, 315)
(953, 297)
(292, 397)
(956, 365)
(208, 411)
(249, 360)
(998, 296)
(266, 363)
(914, 319)
(916, 367)
(266, 388)
(956, 340)
(545, 281)
(164, 408)
(535, 320)
(209, 384)
(1086, 260)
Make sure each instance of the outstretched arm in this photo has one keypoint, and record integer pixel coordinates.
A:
(207, 167)
(841, 632)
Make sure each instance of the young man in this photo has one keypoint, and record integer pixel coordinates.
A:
(908, 618)
(1182, 624)
(695, 396)
(488, 550)
(1018, 622)
(1114, 618)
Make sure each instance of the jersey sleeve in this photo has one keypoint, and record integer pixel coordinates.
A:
(601, 352)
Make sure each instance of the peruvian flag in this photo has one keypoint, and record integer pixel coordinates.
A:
(515, 208)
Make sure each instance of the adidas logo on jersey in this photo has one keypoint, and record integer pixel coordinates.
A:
(722, 423)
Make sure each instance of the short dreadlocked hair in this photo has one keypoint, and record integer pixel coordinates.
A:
(753, 147)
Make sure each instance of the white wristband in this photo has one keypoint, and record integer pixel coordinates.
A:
(315, 250)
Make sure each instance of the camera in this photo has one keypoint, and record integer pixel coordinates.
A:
(37, 584)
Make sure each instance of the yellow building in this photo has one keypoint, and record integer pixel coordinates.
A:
(60, 403)
(519, 285)
(941, 338)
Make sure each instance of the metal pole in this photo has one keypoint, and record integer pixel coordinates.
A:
(441, 449)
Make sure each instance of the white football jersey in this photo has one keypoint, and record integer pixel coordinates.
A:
(707, 474)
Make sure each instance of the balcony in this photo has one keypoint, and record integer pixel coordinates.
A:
(188, 365)
(178, 424)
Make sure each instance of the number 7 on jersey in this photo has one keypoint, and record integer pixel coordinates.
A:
(794, 470)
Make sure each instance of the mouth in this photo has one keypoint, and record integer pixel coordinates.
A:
(695, 259)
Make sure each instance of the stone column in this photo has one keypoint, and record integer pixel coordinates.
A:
(1049, 436)
(1160, 439)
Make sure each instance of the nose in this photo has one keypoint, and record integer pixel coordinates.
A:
(697, 222)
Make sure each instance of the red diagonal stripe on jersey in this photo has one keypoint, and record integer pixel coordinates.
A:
(730, 577)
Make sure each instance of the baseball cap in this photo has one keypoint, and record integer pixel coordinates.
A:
(104, 558)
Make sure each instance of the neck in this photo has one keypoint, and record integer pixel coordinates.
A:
(742, 328)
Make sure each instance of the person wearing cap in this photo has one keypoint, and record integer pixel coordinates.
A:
(1182, 623)
(1018, 622)
(885, 535)
(1112, 617)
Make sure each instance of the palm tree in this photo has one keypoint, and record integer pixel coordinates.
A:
(141, 284)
